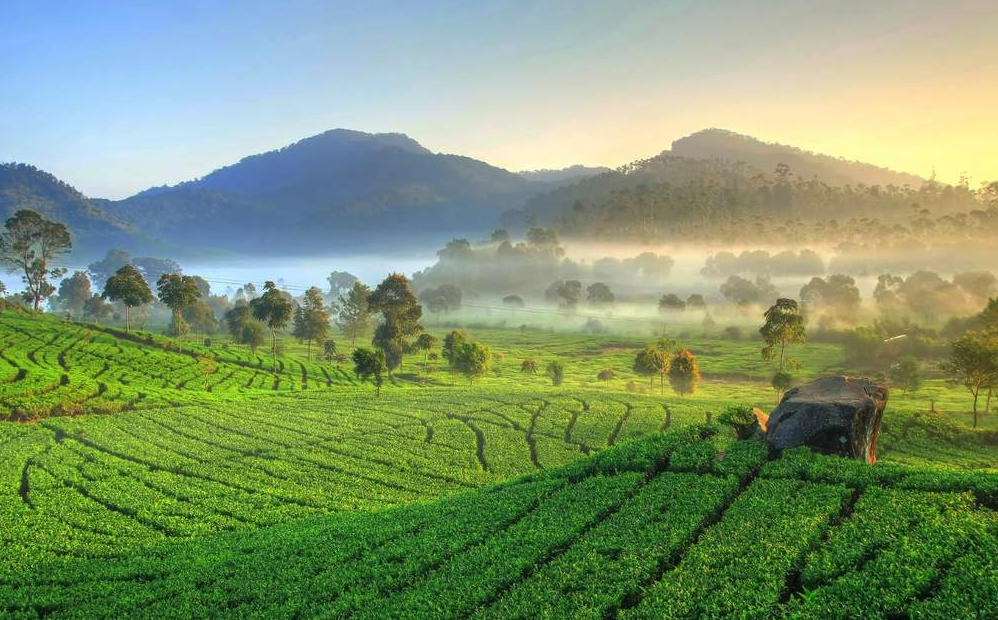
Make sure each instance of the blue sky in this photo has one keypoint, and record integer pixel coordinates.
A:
(117, 97)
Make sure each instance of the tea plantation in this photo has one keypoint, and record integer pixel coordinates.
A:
(254, 492)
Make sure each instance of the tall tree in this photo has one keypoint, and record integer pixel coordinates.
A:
(424, 343)
(311, 318)
(905, 374)
(340, 282)
(400, 318)
(973, 362)
(27, 245)
(354, 318)
(274, 309)
(100, 271)
(129, 287)
(369, 364)
(74, 292)
(200, 316)
(236, 318)
(784, 325)
(177, 293)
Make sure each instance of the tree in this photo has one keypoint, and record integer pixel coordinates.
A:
(671, 303)
(252, 333)
(684, 372)
(599, 294)
(400, 318)
(96, 309)
(741, 418)
(973, 362)
(128, 287)
(273, 308)
(444, 298)
(836, 296)
(452, 343)
(566, 294)
(512, 301)
(369, 364)
(152, 269)
(200, 316)
(355, 315)
(473, 360)
(424, 343)
(207, 367)
(905, 374)
(329, 350)
(203, 286)
(340, 282)
(781, 382)
(696, 301)
(605, 375)
(74, 292)
(556, 372)
(102, 270)
(177, 292)
(649, 362)
(235, 319)
(784, 325)
(529, 367)
(311, 318)
(28, 244)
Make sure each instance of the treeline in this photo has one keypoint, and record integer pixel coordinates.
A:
(669, 198)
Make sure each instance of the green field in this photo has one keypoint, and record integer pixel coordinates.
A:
(132, 485)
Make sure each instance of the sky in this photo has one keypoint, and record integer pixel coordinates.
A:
(115, 97)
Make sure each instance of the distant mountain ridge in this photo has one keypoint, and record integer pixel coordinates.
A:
(736, 147)
(563, 176)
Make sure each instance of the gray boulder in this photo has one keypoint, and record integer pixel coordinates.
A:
(831, 415)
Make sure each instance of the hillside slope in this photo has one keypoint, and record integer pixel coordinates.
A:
(731, 146)
(341, 187)
(684, 524)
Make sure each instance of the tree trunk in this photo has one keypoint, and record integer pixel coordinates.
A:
(127, 317)
(987, 405)
(310, 349)
(975, 408)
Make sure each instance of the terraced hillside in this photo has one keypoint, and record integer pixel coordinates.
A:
(684, 524)
(50, 367)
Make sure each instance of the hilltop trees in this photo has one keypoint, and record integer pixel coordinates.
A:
(177, 292)
(74, 292)
(684, 372)
(273, 308)
(27, 245)
(355, 316)
(400, 318)
(128, 287)
(311, 318)
(369, 364)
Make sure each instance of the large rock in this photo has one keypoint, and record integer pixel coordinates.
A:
(832, 415)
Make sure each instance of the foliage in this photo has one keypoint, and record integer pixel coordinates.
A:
(905, 374)
(28, 245)
(177, 293)
(784, 325)
(605, 375)
(599, 294)
(400, 318)
(472, 360)
(556, 372)
(684, 372)
(311, 318)
(74, 292)
(128, 287)
(649, 362)
(370, 365)
(274, 309)
(528, 366)
(973, 363)
(740, 418)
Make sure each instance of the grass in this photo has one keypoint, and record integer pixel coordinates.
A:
(296, 493)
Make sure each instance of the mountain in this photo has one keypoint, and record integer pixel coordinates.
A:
(340, 188)
(731, 146)
(26, 187)
(563, 176)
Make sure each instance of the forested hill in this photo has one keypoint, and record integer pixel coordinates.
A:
(725, 198)
(340, 187)
(26, 187)
(731, 146)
